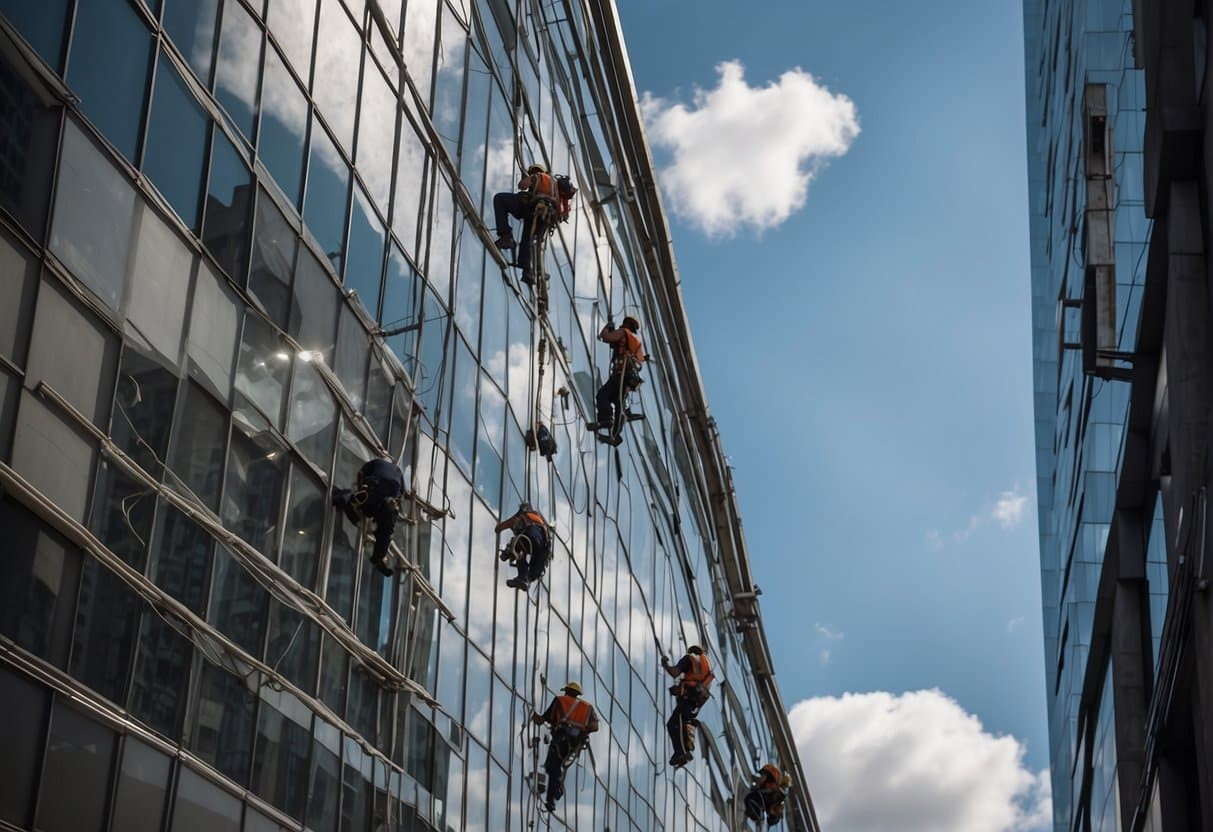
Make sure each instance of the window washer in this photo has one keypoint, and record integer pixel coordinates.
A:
(376, 496)
(537, 187)
(766, 797)
(530, 547)
(691, 692)
(626, 359)
(572, 720)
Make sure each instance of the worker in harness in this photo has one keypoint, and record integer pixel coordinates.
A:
(537, 187)
(766, 797)
(529, 548)
(376, 495)
(572, 720)
(691, 692)
(627, 357)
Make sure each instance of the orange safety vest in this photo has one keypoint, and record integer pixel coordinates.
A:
(629, 351)
(700, 672)
(573, 711)
(535, 518)
(543, 186)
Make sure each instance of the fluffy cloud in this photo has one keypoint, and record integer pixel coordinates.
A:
(916, 763)
(1010, 508)
(1008, 511)
(745, 155)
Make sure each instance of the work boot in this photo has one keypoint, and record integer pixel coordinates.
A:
(507, 554)
(382, 565)
(517, 583)
(550, 805)
(680, 760)
(504, 241)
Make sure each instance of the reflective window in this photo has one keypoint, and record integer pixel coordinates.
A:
(256, 480)
(274, 244)
(448, 83)
(304, 530)
(280, 141)
(22, 742)
(334, 673)
(18, 282)
(442, 228)
(355, 787)
(411, 163)
(400, 305)
(353, 348)
(338, 59)
(364, 265)
(191, 25)
(142, 782)
(107, 621)
(161, 677)
(238, 66)
(378, 399)
(160, 285)
(41, 24)
(328, 184)
(79, 752)
(201, 806)
(263, 368)
(325, 779)
(80, 375)
(377, 136)
(468, 285)
(29, 129)
(433, 345)
(94, 206)
(54, 456)
(225, 226)
(463, 406)
(122, 514)
(198, 446)
(351, 454)
(108, 69)
(293, 23)
(176, 142)
(221, 732)
(238, 603)
(38, 582)
(312, 422)
(143, 409)
(313, 320)
(293, 644)
(182, 564)
(214, 324)
(284, 741)
(473, 146)
(417, 40)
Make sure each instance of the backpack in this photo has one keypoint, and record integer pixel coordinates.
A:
(567, 190)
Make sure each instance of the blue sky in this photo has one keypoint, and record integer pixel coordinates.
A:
(869, 357)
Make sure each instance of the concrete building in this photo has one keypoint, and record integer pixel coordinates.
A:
(246, 245)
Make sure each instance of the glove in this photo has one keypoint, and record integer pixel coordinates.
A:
(610, 323)
(665, 661)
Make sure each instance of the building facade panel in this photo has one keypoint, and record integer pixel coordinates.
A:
(247, 246)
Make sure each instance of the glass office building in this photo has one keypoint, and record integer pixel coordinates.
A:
(1117, 113)
(246, 245)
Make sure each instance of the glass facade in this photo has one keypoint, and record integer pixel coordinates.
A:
(1079, 54)
(244, 247)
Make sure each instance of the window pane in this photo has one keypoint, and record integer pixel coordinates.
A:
(328, 183)
(160, 682)
(419, 37)
(255, 482)
(293, 23)
(274, 245)
(122, 514)
(284, 740)
(222, 730)
(239, 63)
(410, 172)
(238, 603)
(355, 787)
(214, 324)
(38, 580)
(106, 625)
(94, 206)
(191, 25)
(18, 282)
(312, 424)
(160, 285)
(29, 131)
(353, 348)
(176, 142)
(225, 228)
(22, 741)
(293, 645)
(314, 310)
(377, 136)
(325, 778)
(143, 409)
(79, 374)
(364, 266)
(304, 531)
(448, 84)
(338, 56)
(182, 563)
(263, 369)
(41, 24)
(142, 781)
(378, 399)
(79, 752)
(197, 456)
(108, 69)
(201, 806)
(53, 455)
(400, 305)
(283, 126)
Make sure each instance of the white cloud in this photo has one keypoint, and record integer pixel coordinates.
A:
(828, 634)
(1010, 508)
(745, 155)
(1015, 623)
(824, 656)
(915, 762)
